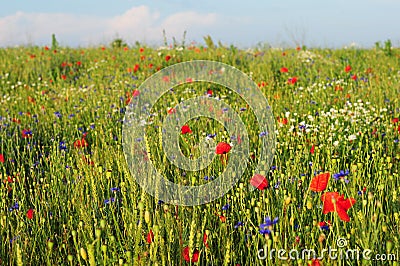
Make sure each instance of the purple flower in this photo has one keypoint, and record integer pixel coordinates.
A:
(238, 225)
(225, 207)
(210, 136)
(62, 146)
(14, 207)
(341, 175)
(266, 227)
(108, 201)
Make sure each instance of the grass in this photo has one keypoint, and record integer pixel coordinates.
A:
(88, 210)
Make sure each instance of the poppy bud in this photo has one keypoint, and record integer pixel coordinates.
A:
(147, 217)
(83, 254)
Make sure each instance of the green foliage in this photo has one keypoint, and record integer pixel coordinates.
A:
(54, 42)
(209, 42)
(89, 209)
(387, 47)
(118, 43)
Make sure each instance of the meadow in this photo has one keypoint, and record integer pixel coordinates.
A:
(68, 198)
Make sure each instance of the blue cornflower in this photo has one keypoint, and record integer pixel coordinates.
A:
(62, 146)
(108, 201)
(225, 207)
(266, 227)
(14, 207)
(324, 226)
(208, 178)
(210, 136)
(341, 175)
(115, 189)
(263, 134)
(58, 114)
(238, 224)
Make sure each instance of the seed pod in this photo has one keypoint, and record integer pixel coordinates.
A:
(83, 253)
(147, 217)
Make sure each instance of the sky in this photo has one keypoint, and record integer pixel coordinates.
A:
(246, 23)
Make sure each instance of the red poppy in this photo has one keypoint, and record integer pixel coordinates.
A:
(312, 150)
(171, 111)
(354, 77)
(209, 92)
(1, 158)
(80, 143)
(186, 129)
(205, 240)
(284, 70)
(259, 181)
(283, 121)
(222, 218)
(31, 99)
(347, 68)
(167, 58)
(195, 255)
(30, 213)
(46, 48)
(64, 77)
(87, 160)
(135, 93)
(395, 120)
(298, 48)
(333, 202)
(166, 78)
(126, 48)
(150, 237)
(79, 63)
(292, 80)
(141, 50)
(319, 182)
(222, 148)
(262, 84)
(136, 68)
(314, 262)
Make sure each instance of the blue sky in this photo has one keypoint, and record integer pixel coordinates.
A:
(329, 23)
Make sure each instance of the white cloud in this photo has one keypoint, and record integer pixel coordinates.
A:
(136, 24)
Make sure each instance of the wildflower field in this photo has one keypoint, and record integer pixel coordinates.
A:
(68, 197)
